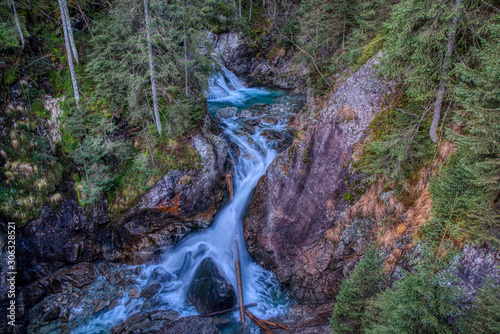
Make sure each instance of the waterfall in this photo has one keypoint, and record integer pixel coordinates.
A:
(259, 285)
(219, 87)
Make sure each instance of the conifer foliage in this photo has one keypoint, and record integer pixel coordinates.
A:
(351, 301)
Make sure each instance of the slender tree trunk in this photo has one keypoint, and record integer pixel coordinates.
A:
(70, 31)
(444, 72)
(68, 52)
(250, 14)
(18, 24)
(185, 51)
(152, 69)
(343, 36)
(239, 7)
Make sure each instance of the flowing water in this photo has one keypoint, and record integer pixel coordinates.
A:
(259, 285)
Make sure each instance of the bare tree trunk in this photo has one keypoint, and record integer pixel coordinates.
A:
(68, 52)
(343, 36)
(239, 7)
(18, 24)
(250, 14)
(444, 72)
(185, 50)
(70, 31)
(152, 69)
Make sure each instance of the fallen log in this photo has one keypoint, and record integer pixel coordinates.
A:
(259, 323)
(238, 280)
(225, 311)
(229, 182)
(273, 324)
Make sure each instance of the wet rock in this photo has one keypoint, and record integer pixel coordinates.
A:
(53, 314)
(246, 113)
(269, 120)
(226, 112)
(160, 274)
(146, 323)
(210, 291)
(100, 305)
(251, 64)
(134, 292)
(151, 290)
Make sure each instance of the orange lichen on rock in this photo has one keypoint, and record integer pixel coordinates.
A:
(172, 206)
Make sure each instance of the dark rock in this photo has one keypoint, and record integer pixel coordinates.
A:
(190, 325)
(146, 323)
(53, 314)
(59, 237)
(151, 290)
(160, 274)
(210, 291)
(100, 305)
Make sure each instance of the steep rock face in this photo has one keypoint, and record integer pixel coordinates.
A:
(269, 68)
(296, 205)
(179, 202)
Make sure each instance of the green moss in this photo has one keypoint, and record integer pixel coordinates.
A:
(9, 76)
(371, 49)
(305, 156)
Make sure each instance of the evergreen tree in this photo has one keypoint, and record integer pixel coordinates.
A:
(99, 152)
(365, 281)
(121, 67)
(472, 175)
(420, 302)
(484, 316)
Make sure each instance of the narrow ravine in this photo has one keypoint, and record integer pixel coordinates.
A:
(216, 242)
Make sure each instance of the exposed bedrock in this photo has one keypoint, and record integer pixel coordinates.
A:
(273, 67)
(298, 201)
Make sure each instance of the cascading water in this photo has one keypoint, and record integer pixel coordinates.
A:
(219, 87)
(259, 285)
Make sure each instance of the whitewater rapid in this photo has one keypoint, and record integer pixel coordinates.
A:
(259, 285)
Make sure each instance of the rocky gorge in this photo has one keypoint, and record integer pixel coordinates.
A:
(301, 223)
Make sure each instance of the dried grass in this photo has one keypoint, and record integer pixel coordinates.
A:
(56, 198)
(334, 234)
(446, 149)
(393, 259)
(348, 113)
(370, 205)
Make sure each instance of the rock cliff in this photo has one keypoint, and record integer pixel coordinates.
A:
(299, 201)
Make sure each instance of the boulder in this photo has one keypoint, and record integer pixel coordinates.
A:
(226, 112)
(151, 290)
(210, 291)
